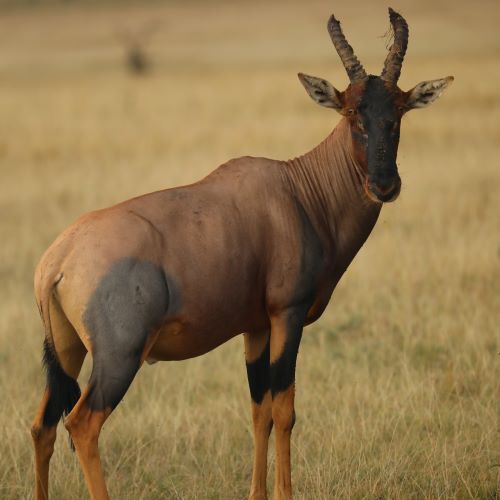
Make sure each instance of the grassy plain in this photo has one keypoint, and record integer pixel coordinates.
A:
(399, 381)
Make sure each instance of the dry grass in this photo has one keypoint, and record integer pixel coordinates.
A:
(398, 383)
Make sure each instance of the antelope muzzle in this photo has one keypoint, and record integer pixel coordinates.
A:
(383, 188)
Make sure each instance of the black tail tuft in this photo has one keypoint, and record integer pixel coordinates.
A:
(64, 390)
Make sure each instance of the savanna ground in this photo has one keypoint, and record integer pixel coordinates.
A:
(398, 382)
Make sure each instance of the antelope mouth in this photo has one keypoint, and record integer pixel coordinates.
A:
(384, 193)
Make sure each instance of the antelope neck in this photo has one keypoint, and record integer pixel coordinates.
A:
(328, 182)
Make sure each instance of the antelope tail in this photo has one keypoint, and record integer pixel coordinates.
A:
(63, 390)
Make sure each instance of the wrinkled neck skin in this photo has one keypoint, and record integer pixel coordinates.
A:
(328, 182)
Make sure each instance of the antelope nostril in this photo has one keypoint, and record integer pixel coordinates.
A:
(384, 185)
(384, 188)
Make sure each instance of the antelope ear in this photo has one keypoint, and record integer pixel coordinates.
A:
(427, 92)
(322, 92)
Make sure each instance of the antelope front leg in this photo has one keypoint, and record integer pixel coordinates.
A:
(286, 332)
(257, 361)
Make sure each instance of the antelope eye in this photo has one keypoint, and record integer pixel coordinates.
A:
(350, 111)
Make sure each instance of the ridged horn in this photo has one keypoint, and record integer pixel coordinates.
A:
(394, 60)
(354, 68)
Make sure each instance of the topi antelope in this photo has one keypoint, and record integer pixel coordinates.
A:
(257, 247)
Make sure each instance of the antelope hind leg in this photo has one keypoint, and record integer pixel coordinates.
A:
(63, 359)
(120, 320)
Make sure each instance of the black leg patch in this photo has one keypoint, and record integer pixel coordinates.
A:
(128, 303)
(258, 376)
(283, 369)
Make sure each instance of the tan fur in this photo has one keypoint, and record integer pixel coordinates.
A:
(283, 418)
(84, 427)
(43, 440)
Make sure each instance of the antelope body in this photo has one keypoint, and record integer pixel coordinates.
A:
(256, 247)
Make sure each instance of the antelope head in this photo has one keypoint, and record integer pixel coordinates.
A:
(373, 107)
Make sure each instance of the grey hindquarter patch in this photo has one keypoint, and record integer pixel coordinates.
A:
(130, 300)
